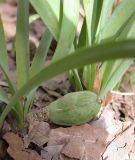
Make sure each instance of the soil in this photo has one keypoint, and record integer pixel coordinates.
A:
(108, 137)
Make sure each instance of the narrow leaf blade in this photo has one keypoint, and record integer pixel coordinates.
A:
(49, 13)
(68, 28)
(119, 18)
(3, 50)
(22, 42)
(38, 61)
(3, 96)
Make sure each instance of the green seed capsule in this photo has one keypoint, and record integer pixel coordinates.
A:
(74, 108)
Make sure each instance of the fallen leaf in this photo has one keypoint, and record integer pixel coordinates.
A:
(107, 99)
(16, 149)
(97, 81)
(108, 122)
(39, 132)
(80, 142)
(120, 147)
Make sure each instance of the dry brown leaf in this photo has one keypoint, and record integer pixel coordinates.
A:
(107, 99)
(80, 142)
(120, 147)
(108, 122)
(39, 132)
(97, 81)
(16, 149)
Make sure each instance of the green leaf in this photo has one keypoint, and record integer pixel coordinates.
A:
(129, 29)
(89, 10)
(10, 84)
(3, 96)
(77, 80)
(113, 75)
(49, 13)
(4, 58)
(124, 49)
(118, 67)
(83, 36)
(33, 18)
(41, 53)
(37, 64)
(22, 42)
(92, 10)
(119, 18)
(132, 78)
(68, 28)
(90, 73)
(3, 50)
(106, 13)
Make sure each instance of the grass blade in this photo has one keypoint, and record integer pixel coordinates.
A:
(33, 18)
(83, 36)
(41, 53)
(89, 8)
(68, 28)
(119, 18)
(4, 58)
(129, 29)
(114, 75)
(92, 10)
(106, 12)
(3, 96)
(114, 68)
(50, 14)
(22, 42)
(3, 50)
(37, 64)
(124, 49)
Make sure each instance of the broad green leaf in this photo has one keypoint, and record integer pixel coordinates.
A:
(116, 22)
(3, 96)
(68, 28)
(50, 13)
(22, 42)
(33, 18)
(124, 49)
